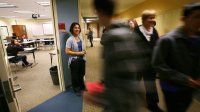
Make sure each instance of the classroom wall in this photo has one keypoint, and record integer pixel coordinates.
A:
(34, 27)
(8, 23)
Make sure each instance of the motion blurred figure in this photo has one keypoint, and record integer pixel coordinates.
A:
(132, 24)
(177, 59)
(149, 35)
(123, 59)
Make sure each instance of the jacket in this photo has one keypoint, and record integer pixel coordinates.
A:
(175, 59)
(124, 56)
(148, 45)
(13, 50)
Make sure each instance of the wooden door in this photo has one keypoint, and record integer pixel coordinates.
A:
(19, 30)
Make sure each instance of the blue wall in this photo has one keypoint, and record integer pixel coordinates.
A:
(67, 11)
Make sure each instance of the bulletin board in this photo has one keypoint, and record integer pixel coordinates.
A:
(4, 31)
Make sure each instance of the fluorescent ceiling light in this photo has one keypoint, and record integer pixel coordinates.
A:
(42, 15)
(92, 19)
(44, 3)
(3, 3)
(9, 16)
(24, 12)
(6, 5)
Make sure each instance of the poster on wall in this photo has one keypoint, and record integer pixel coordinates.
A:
(61, 27)
(4, 32)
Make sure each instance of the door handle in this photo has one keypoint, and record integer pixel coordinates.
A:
(16, 88)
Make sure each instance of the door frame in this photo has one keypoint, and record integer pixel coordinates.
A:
(7, 80)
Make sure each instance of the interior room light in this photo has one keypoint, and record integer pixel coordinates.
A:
(42, 15)
(44, 3)
(24, 12)
(3, 3)
(6, 5)
(9, 16)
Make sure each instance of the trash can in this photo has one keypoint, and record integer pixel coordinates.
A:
(54, 75)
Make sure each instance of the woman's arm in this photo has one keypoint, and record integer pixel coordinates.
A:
(69, 52)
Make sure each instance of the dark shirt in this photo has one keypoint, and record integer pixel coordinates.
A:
(13, 50)
(176, 57)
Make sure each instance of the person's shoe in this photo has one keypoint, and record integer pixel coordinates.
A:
(23, 65)
(30, 64)
(78, 93)
(85, 89)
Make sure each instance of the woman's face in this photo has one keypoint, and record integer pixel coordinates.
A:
(131, 24)
(16, 42)
(76, 30)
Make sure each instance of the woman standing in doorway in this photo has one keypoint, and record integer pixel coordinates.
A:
(75, 50)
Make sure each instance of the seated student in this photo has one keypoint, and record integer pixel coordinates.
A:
(14, 36)
(13, 50)
(23, 38)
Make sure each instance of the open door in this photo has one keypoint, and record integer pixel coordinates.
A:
(6, 81)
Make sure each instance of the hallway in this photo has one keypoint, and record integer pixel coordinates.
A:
(68, 102)
(94, 71)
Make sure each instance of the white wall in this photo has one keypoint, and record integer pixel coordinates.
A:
(34, 27)
(7, 22)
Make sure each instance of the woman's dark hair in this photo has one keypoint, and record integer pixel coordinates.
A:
(187, 10)
(72, 26)
(12, 42)
(106, 6)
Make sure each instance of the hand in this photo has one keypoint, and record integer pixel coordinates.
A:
(85, 52)
(80, 53)
(194, 83)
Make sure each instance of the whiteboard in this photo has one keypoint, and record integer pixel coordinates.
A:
(48, 29)
(37, 29)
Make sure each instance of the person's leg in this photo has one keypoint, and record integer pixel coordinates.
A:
(177, 101)
(82, 74)
(91, 39)
(23, 58)
(74, 67)
(151, 91)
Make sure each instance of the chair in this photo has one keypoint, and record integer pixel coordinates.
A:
(12, 59)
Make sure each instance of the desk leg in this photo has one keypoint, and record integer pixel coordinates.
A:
(51, 58)
(34, 60)
(34, 56)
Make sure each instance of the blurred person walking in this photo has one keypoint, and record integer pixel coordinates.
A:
(177, 59)
(149, 35)
(123, 59)
(132, 24)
